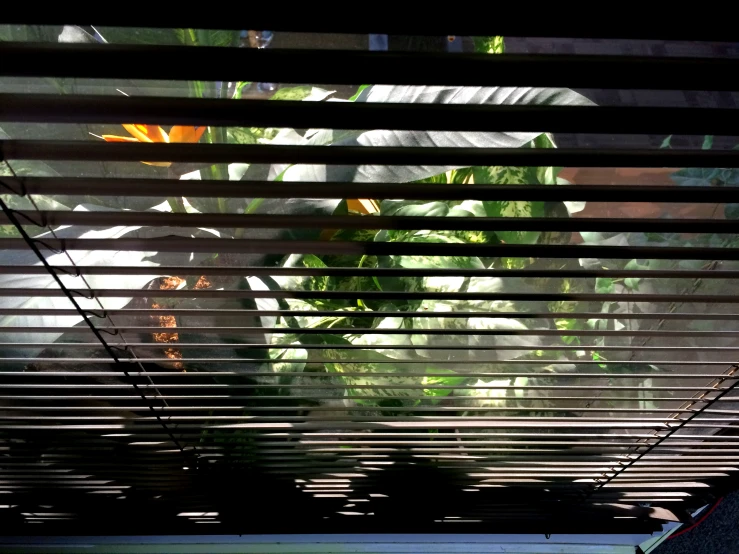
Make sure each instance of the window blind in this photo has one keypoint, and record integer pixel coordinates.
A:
(469, 296)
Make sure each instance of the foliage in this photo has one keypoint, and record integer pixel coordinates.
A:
(489, 45)
(708, 176)
(505, 342)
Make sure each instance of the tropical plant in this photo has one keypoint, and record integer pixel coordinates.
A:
(360, 319)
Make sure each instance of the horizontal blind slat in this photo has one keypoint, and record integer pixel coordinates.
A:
(207, 63)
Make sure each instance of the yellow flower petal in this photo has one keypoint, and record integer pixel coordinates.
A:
(184, 133)
(363, 205)
(142, 133)
(115, 138)
(146, 133)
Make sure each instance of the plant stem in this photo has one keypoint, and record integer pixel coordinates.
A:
(239, 90)
(253, 205)
(177, 205)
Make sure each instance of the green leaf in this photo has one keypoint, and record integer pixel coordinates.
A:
(45, 281)
(517, 209)
(666, 142)
(704, 177)
(547, 175)
(597, 324)
(634, 265)
(286, 357)
(25, 168)
(707, 142)
(544, 140)
(413, 208)
(215, 37)
(632, 283)
(508, 175)
(24, 203)
(292, 93)
(487, 394)
(361, 88)
(468, 208)
(504, 175)
(490, 341)
(244, 135)
(597, 358)
(731, 211)
(432, 262)
(460, 176)
(315, 283)
(489, 45)
(513, 208)
(440, 178)
(240, 87)
(605, 285)
(387, 323)
(568, 325)
(9, 231)
(451, 380)
(439, 95)
(365, 363)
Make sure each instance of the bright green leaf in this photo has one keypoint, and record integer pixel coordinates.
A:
(604, 285)
(489, 45)
(359, 91)
(451, 380)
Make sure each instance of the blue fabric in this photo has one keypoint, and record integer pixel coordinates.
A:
(378, 42)
(454, 44)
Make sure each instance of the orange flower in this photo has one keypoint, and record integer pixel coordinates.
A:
(363, 205)
(154, 133)
(182, 133)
